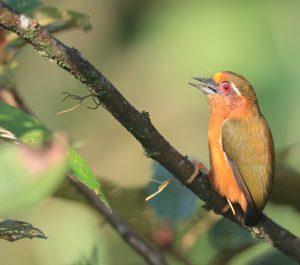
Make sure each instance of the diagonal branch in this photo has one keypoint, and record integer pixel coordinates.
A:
(150, 255)
(137, 123)
(10, 229)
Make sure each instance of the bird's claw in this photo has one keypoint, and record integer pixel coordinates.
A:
(198, 166)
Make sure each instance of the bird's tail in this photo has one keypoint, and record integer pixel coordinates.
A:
(252, 217)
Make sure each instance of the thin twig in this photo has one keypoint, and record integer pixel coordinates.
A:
(79, 99)
(161, 187)
(75, 97)
(138, 124)
(151, 255)
(131, 237)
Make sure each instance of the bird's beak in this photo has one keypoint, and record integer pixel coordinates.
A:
(207, 85)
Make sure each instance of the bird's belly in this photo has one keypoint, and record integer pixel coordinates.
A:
(222, 178)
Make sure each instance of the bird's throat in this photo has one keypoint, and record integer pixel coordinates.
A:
(222, 109)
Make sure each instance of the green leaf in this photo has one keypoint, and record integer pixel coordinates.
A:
(80, 169)
(12, 230)
(28, 175)
(31, 131)
(25, 127)
(24, 6)
(54, 19)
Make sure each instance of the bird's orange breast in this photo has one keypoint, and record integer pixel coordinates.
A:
(221, 175)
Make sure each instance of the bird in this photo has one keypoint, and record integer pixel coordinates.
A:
(241, 148)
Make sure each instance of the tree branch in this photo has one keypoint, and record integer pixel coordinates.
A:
(152, 256)
(138, 124)
(132, 238)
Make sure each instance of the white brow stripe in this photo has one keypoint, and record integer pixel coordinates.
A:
(236, 89)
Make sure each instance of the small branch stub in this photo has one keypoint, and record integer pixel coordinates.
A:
(134, 121)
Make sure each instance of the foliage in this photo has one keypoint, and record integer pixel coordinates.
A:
(29, 130)
(12, 230)
(26, 188)
(152, 50)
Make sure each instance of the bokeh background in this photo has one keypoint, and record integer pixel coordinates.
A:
(150, 50)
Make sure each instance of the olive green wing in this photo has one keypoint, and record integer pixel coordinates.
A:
(248, 147)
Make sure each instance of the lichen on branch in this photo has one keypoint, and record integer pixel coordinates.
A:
(138, 124)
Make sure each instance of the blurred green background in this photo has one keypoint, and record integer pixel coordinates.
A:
(150, 50)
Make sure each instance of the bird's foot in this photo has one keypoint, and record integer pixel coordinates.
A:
(198, 166)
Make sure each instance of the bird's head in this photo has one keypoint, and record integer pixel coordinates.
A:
(228, 89)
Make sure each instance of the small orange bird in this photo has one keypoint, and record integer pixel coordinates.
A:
(240, 143)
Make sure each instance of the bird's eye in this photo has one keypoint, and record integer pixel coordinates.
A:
(225, 88)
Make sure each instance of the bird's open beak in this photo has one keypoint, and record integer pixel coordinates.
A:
(207, 85)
